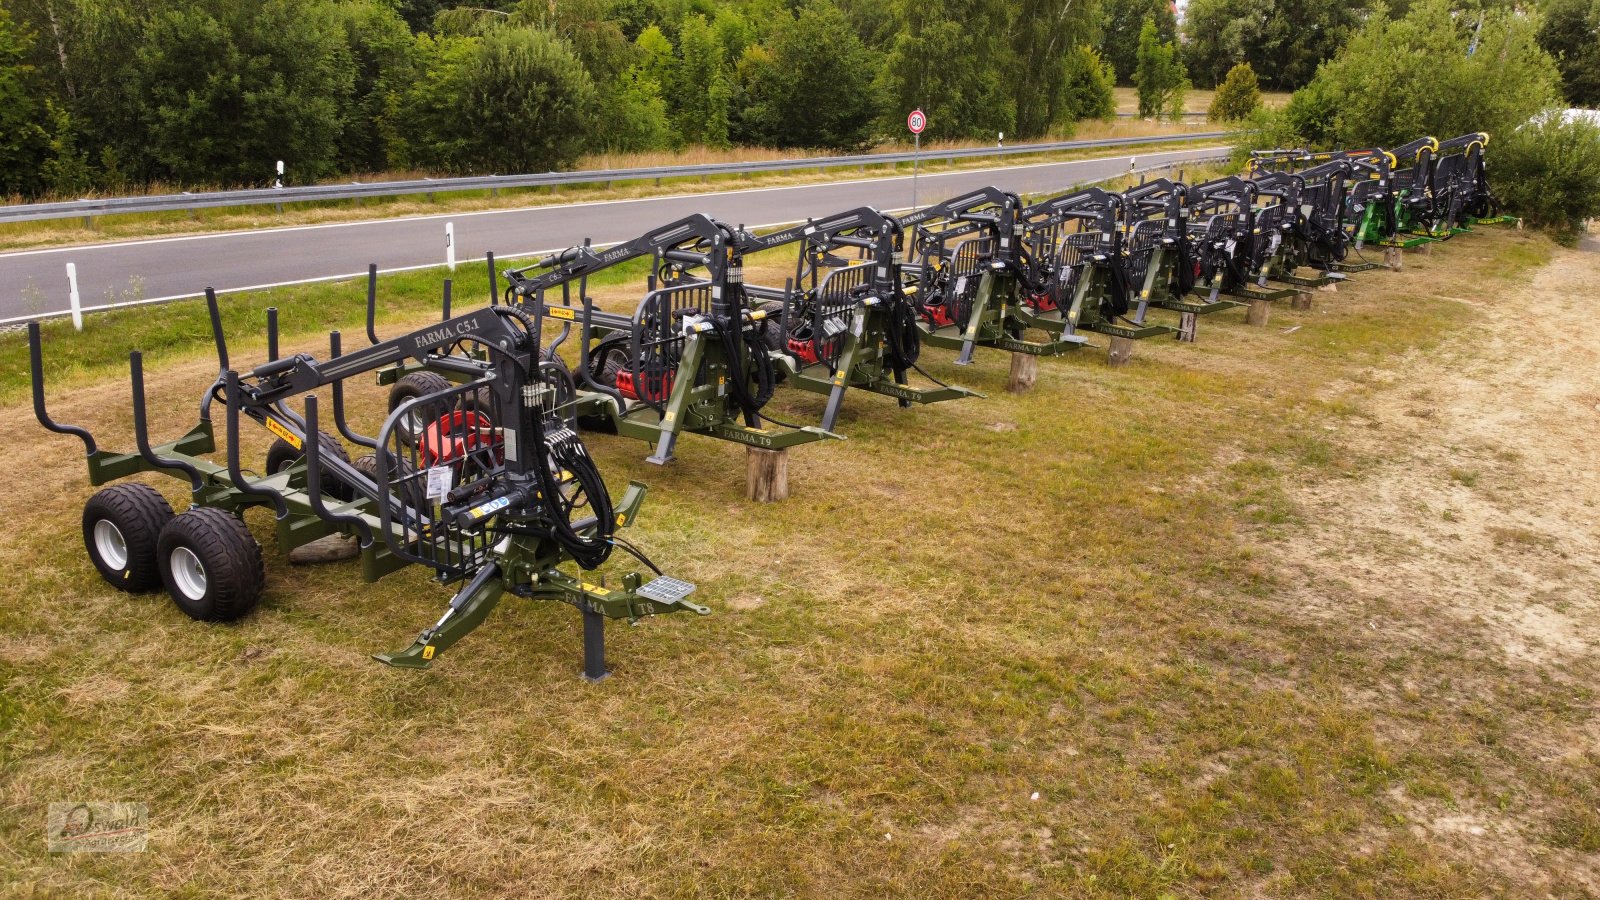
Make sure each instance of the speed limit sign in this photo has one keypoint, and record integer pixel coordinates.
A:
(917, 121)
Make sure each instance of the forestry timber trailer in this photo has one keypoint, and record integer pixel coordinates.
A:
(1079, 278)
(846, 323)
(1312, 201)
(491, 491)
(1236, 239)
(1459, 184)
(969, 276)
(1162, 257)
(694, 356)
(1411, 168)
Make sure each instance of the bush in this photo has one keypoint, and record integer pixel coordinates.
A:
(1548, 173)
(1237, 97)
(1400, 79)
(1089, 90)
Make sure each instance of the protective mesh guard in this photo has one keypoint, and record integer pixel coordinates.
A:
(666, 590)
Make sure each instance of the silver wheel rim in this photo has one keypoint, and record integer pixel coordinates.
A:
(109, 543)
(188, 576)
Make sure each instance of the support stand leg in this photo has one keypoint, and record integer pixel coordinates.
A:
(1259, 312)
(1024, 372)
(1188, 327)
(766, 475)
(594, 647)
(1120, 351)
(1301, 302)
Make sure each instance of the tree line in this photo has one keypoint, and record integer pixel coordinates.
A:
(116, 94)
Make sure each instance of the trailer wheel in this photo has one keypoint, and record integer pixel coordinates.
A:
(281, 455)
(772, 326)
(121, 525)
(416, 384)
(211, 565)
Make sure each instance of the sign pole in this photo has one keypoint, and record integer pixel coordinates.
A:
(916, 121)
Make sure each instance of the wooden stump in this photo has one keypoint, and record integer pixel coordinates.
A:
(1391, 258)
(333, 548)
(1331, 287)
(766, 475)
(1301, 301)
(1120, 352)
(1024, 372)
(1259, 312)
(1188, 327)
(1426, 249)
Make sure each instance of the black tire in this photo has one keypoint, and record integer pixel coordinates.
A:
(281, 455)
(121, 526)
(771, 327)
(211, 565)
(416, 384)
(613, 345)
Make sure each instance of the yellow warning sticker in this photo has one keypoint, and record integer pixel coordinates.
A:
(621, 521)
(595, 589)
(427, 651)
(562, 312)
(289, 437)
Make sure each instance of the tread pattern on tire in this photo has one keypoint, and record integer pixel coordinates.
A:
(235, 570)
(140, 512)
(282, 454)
(416, 384)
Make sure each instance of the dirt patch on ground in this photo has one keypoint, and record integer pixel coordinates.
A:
(1470, 523)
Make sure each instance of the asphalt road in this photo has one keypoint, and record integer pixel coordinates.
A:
(34, 282)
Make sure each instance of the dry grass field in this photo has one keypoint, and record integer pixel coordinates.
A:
(1302, 611)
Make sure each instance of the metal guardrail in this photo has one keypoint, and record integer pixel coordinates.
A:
(87, 209)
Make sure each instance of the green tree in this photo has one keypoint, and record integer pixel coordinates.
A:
(1571, 33)
(513, 100)
(1283, 40)
(699, 85)
(1402, 78)
(1159, 75)
(23, 140)
(383, 55)
(1041, 39)
(1121, 24)
(1090, 86)
(947, 58)
(221, 90)
(816, 49)
(1237, 97)
(1549, 172)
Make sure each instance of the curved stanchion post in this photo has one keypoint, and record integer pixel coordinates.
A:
(241, 484)
(36, 365)
(447, 287)
(272, 333)
(494, 280)
(314, 480)
(141, 430)
(338, 401)
(221, 340)
(372, 302)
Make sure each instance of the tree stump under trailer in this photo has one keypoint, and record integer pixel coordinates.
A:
(1259, 312)
(766, 475)
(1120, 351)
(1024, 372)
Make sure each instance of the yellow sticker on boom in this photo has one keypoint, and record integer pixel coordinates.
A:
(289, 437)
(427, 651)
(595, 589)
(562, 312)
